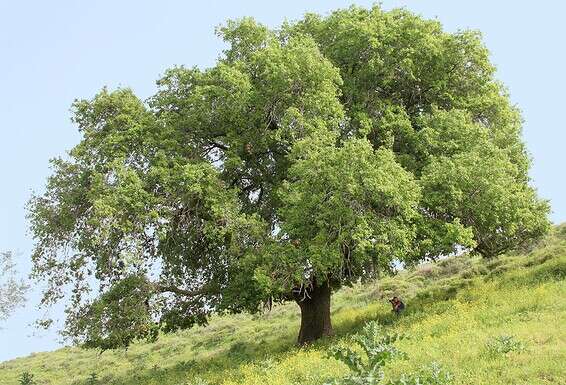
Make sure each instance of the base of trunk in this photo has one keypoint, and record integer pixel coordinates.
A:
(315, 313)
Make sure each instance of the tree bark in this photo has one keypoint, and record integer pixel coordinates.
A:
(315, 313)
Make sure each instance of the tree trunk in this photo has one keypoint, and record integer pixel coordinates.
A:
(315, 313)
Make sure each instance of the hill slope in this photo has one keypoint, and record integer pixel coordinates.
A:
(462, 313)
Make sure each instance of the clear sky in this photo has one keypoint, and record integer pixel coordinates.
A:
(55, 51)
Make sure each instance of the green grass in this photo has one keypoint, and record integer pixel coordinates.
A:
(487, 322)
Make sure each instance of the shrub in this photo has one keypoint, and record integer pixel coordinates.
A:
(503, 345)
(378, 349)
(92, 379)
(26, 378)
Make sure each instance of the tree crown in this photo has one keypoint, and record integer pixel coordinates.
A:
(320, 152)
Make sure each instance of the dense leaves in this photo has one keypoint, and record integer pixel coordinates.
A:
(346, 210)
(317, 154)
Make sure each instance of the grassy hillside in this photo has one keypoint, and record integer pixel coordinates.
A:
(486, 322)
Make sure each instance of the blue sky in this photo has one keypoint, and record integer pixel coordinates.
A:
(55, 51)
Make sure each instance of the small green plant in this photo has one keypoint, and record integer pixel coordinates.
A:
(504, 344)
(26, 378)
(92, 379)
(378, 348)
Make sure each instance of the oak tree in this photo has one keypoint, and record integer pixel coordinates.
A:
(308, 158)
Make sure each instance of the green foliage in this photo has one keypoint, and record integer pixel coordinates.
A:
(359, 212)
(92, 379)
(316, 153)
(480, 187)
(434, 100)
(504, 344)
(118, 317)
(26, 378)
(378, 349)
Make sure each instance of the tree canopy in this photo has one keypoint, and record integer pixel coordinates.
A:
(308, 157)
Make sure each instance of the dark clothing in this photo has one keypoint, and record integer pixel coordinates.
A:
(399, 307)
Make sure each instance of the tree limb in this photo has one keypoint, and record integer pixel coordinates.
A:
(162, 288)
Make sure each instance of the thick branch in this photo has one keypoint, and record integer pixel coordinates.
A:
(161, 288)
(219, 145)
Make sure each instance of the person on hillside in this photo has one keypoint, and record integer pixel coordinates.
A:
(398, 305)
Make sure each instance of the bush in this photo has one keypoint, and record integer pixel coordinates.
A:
(92, 379)
(503, 345)
(26, 378)
(378, 349)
